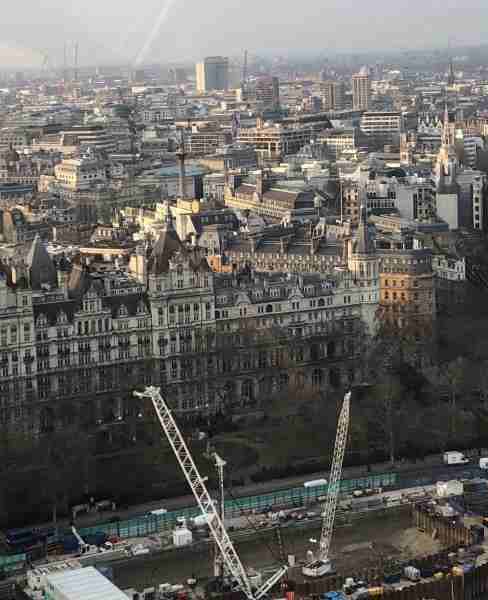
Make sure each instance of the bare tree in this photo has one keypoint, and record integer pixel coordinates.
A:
(454, 376)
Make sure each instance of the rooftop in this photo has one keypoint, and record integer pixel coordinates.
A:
(174, 171)
(84, 584)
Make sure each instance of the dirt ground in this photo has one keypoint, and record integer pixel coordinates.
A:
(369, 543)
(412, 543)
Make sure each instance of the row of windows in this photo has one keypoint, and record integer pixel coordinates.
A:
(394, 296)
(14, 338)
(393, 283)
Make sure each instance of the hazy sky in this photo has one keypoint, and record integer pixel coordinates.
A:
(117, 30)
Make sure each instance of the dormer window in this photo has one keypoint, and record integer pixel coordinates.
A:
(123, 310)
(62, 318)
(141, 309)
(41, 320)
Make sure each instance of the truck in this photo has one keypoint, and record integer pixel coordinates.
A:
(455, 458)
(484, 463)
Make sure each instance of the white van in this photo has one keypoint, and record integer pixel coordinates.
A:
(159, 511)
(484, 463)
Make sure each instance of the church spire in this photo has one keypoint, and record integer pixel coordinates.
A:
(451, 79)
(445, 130)
(168, 218)
(363, 245)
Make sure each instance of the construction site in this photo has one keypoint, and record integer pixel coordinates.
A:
(331, 539)
(411, 543)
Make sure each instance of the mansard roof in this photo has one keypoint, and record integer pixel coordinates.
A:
(164, 249)
(42, 269)
(52, 310)
(80, 281)
(131, 303)
(270, 287)
(201, 264)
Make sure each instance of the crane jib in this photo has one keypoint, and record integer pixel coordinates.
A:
(196, 482)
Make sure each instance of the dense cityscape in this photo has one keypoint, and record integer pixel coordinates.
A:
(243, 320)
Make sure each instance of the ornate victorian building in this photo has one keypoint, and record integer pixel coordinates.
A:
(76, 342)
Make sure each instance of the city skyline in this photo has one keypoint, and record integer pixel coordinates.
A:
(167, 30)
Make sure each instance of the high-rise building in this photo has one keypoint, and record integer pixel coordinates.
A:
(268, 92)
(213, 74)
(382, 126)
(332, 93)
(361, 90)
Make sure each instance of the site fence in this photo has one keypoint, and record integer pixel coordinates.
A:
(11, 562)
(294, 497)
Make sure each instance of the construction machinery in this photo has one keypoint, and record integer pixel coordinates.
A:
(219, 465)
(84, 547)
(321, 564)
(231, 561)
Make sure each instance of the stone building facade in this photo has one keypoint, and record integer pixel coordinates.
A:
(77, 341)
(407, 288)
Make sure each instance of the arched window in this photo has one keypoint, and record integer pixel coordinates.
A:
(317, 377)
(269, 308)
(247, 390)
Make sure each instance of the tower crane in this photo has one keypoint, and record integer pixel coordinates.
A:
(321, 565)
(219, 465)
(231, 560)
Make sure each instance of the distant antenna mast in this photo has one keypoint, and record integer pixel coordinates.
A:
(244, 70)
(76, 61)
(244, 76)
(451, 78)
(65, 62)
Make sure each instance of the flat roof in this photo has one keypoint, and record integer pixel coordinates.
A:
(174, 171)
(84, 584)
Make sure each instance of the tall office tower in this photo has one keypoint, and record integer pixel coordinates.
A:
(361, 90)
(268, 92)
(332, 93)
(213, 74)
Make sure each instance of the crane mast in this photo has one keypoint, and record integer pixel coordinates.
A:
(322, 564)
(231, 559)
(219, 465)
